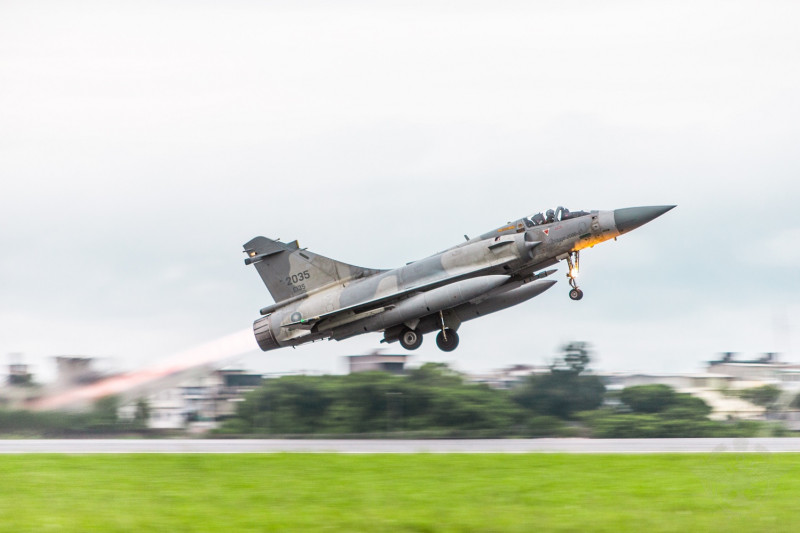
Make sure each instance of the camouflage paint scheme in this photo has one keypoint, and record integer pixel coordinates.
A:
(320, 298)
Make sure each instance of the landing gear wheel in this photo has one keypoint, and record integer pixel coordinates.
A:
(576, 294)
(410, 339)
(447, 340)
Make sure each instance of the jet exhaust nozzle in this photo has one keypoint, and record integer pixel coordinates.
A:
(264, 336)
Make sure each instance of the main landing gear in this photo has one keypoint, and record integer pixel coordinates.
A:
(410, 339)
(574, 267)
(446, 339)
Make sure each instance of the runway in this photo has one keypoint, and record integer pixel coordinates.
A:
(615, 446)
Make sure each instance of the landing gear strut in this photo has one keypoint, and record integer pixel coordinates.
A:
(574, 267)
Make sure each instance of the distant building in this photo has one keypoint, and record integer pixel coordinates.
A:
(18, 386)
(508, 377)
(394, 364)
(679, 382)
(71, 370)
(203, 399)
(763, 370)
(18, 374)
(789, 377)
(706, 386)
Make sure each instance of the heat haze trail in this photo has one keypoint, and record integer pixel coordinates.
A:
(227, 347)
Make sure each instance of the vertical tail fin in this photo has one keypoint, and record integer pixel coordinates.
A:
(288, 271)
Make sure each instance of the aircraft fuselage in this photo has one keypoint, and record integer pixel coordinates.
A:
(325, 299)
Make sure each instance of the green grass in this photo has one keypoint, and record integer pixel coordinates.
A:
(320, 492)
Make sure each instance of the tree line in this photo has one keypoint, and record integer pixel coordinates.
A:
(102, 419)
(436, 401)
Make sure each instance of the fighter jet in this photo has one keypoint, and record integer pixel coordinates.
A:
(319, 298)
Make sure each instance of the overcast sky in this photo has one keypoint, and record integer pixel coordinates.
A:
(142, 143)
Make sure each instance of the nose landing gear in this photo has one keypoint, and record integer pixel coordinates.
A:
(574, 268)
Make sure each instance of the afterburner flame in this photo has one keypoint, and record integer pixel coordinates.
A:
(227, 347)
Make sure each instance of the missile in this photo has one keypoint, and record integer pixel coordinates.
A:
(544, 274)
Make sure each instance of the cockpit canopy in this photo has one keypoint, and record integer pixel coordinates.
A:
(550, 216)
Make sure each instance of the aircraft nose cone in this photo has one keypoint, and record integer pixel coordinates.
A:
(630, 218)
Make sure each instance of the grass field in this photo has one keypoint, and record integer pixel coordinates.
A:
(321, 492)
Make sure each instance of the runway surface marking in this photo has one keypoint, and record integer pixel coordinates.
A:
(624, 446)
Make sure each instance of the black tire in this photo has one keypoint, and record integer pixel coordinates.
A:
(410, 339)
(576, 294)
(447, 345)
